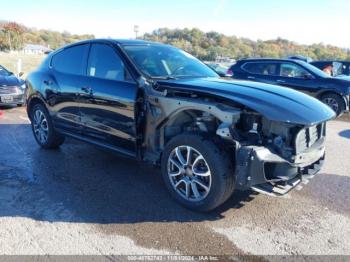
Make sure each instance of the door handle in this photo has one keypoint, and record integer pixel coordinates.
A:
(48, 82)
(251, 77)
(87, 90)
(281, 81)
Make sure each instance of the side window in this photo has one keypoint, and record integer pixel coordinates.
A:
(71, 60)
(105, 63)
(261, 68)
(293, 70)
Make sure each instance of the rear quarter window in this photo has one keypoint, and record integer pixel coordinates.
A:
(71, 60)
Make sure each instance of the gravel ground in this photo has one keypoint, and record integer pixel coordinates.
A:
(82, 200)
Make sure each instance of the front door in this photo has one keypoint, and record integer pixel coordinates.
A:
(107, 100)
(296, 77)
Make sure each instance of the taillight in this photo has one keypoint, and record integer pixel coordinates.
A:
(229, 72)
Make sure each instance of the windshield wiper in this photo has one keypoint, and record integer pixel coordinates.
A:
(164, 77)
(173, 77)
(189, 76)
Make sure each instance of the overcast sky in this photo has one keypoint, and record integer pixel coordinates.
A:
(303, 21)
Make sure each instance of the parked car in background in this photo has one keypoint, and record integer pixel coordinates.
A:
(339, 68)
(298, 75)
(219, 68)
(11, 88)
(159, 104)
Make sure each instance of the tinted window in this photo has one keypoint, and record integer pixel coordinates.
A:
(71, 60)
(261, 68)
(105, 63)
(293, 70)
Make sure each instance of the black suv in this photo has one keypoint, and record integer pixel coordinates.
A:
(159, 104)
(298, 75)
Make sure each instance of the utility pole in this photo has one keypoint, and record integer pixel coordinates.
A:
(136, 30)
(9, 39)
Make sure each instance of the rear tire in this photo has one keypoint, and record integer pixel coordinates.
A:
(43, 130)
(335, 102)
(187, 178)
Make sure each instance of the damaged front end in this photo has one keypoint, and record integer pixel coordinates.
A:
(274, 157)
(276, 136)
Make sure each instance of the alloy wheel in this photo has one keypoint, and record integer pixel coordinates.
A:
(40, 126)
(332, 103)
(189, 173)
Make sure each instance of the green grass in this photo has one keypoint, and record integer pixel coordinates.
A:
(29, 62)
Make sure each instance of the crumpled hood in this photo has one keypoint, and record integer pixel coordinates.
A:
(10, 81)
(274, 102)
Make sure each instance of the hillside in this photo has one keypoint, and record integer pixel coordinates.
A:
(208, 46)
(14, 36)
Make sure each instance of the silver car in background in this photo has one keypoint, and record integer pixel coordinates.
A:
(12, 88)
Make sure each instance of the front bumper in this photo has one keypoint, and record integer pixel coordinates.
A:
(347, 102)
(264, 171)
(12, 99)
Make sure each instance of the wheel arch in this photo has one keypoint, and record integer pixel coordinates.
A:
(325, 92)
(186, 116)
(34, 100)
(214, 112)
(174, 115)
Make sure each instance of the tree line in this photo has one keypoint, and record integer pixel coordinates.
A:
(204, 45)
(207, 46)
(14, 36)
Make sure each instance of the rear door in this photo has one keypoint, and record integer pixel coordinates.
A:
(107, 100)
(61, 83)
(264, 72)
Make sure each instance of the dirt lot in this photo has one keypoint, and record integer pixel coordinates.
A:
(82, 200)
(29, 62)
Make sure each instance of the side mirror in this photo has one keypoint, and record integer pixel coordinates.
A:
(20, 74)
(308, 77)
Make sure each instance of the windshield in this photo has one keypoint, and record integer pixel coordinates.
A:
(338, 69)
(4, 72)
(314, 69)
(158, 61)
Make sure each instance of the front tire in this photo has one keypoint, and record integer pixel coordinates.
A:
(197, 172)
(335, 102)
(43, 130)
